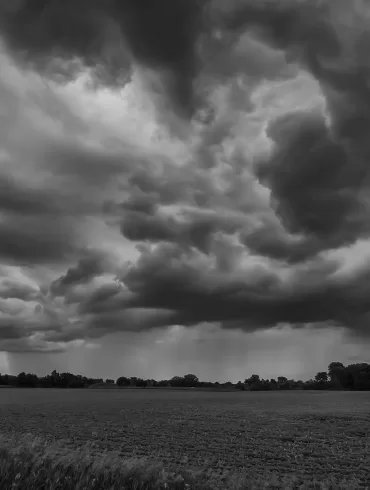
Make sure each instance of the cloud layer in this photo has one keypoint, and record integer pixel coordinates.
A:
(182, 163)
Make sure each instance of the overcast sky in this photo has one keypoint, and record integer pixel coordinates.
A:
(184, 187)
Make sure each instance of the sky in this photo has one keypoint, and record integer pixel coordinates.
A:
(184, 187)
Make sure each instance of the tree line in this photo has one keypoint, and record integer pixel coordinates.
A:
(338, 377)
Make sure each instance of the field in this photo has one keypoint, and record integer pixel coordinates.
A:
(291, 434)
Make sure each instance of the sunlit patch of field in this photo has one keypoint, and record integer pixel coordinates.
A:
(296, 436)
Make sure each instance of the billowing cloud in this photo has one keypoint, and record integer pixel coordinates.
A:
(182, 163)
(94, 264)
(10, 288)
(63, 38)
(318, 173)
(26, 346)
(191, 229)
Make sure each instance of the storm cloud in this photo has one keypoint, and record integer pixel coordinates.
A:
(318, 172)
(249, 214)
(60, 38)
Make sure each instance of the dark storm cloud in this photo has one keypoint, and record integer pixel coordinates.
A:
(41, 222)
(143, 220)
(141, 227)
(316, 181)
(18, 198)
(256, 297)
(15, 289)
(88, 166)
(25, 346)
(101, 299)
(91, 265)
(273, 241)
(108, 36)
(318, 173)
(17, 328)
(171, 287)
(194, 230)
(37, 224)
(95, 326)
(29, 240)
(140, 203)
(10, 330)
(174, 185)
(316, 34)
(190, 185)
(305, 25)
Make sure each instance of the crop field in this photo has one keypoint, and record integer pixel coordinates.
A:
(305, 434)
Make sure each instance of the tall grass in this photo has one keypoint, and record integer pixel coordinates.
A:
(27, 463)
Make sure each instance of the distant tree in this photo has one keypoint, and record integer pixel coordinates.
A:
(190, 380)
(266, 385)
(310, 385)
(109, 381)
(9, 380)
(254, 383)
(321, 377)
(333, 366)
(273, 384)
(358, 376)
(298, 385)
(240, 386)
(351, 377)
(68, 380)
(164, 383)
(338, 375)
(123, 381)
(27, 380)
(76, 382)
(283, 383)
(177, 381)
(253, 379)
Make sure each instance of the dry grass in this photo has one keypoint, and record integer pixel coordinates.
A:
(230, 440)
(27, 463)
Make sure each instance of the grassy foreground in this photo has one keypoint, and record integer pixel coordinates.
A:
(28, 463)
